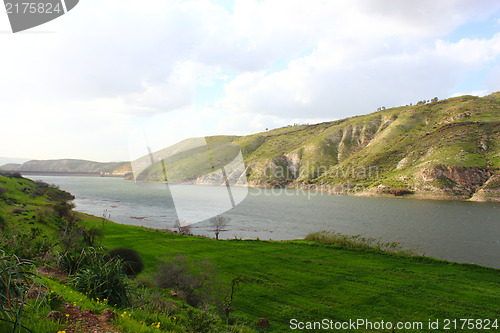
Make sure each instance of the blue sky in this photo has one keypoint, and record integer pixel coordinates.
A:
(82, 85)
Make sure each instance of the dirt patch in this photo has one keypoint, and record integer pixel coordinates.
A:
(86, 321)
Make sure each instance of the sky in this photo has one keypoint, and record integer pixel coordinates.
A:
(111, 73)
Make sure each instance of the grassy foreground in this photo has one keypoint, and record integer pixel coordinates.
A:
(280, 281)
(310, 281)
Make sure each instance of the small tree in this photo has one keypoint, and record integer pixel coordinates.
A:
(182, 229)
(219, 223)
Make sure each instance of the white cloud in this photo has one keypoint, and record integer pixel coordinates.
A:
(110, 63)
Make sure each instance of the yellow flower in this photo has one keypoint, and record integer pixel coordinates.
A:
(67, 315)
(158, 325)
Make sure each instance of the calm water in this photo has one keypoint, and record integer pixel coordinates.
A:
(457, 231)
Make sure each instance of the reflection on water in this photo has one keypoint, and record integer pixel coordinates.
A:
(457, 231)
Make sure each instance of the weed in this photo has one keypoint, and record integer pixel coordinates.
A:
(355, 242)
(17, 278)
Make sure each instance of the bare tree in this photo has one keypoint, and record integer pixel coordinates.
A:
(182, 229)
(219, 223)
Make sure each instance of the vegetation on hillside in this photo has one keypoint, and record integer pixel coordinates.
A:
(440, 149)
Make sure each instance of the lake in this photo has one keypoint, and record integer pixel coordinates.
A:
(467, 232)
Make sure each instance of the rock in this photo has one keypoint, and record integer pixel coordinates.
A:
(263, 322)
(56, 316)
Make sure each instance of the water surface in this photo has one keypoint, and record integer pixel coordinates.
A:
(458, 231)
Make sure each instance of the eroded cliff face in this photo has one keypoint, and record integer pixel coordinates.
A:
(490, 191)
(450, 182)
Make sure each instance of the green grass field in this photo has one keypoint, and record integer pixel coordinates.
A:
(311, 281)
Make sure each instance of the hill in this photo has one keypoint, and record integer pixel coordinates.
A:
(70, 166)
(445, 149)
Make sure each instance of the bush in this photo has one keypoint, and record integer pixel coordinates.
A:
(397, 192)
(11, 174)
(71, 262)
(43, 215)
(105, 280)
(131, 260)
(17, 210)
(193, 281)
(3, 223)
(356, 242)
(205, 320)
(28, 244)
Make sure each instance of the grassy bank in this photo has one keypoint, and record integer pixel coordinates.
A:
(328, 276)
(310, 281)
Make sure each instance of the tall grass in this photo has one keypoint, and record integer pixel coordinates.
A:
(331, 237)
(17, 279)
(98, 276)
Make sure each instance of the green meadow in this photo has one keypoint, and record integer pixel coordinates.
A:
(309, 281)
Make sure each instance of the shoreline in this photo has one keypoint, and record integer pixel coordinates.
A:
(371, 192)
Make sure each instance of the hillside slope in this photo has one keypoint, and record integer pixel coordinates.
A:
(70, 166)
(447, 149)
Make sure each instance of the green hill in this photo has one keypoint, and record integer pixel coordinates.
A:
(446, 149)
(69, 166)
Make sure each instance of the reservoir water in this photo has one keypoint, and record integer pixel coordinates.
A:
(467, 232)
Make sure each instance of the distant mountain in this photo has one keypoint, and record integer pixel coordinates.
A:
(70, 166)
(12, 160)
(446, 149)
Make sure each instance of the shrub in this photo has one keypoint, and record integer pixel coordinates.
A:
(153, 300)
(17, 210)
(28, 244)
(182, 229)
(41, 183)
(90, 235)
(3, 223)
(71, 262)
(355, 242)
(191, 279)
(131, 259)
(205, 320)
(400, 191)
(65, 210)
(11, 174)
(105, 280)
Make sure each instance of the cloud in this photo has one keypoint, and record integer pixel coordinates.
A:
(108, 64)
(386, 71)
